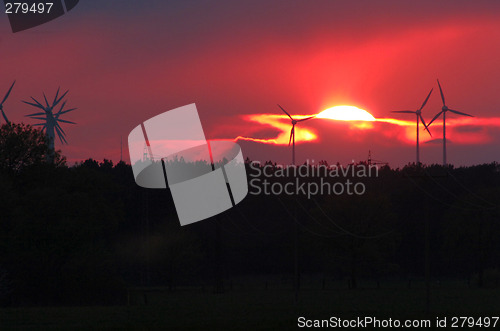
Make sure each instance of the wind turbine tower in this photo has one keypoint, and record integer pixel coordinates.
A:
(292, 132)
(443, 111)
(296, 242)
(418, 112)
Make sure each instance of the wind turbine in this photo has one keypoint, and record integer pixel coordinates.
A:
(5, 98)
(418, 112)
(296, 241)
(292, 132)
(443, 111)
(51, 121)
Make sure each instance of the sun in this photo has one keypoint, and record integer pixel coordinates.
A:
(346, 113)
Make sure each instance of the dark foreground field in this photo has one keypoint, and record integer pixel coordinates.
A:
(258, 308)
(77, 242)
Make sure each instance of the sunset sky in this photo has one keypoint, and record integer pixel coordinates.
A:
(127, 61)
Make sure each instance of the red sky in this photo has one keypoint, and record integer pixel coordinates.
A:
(127, 61)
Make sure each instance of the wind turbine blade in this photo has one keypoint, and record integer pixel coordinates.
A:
(442, 95)
(67, 111)
(427, 128)
(35, 114)
(305, 119)
(34, 105)
(63, 139)
(422, 120)
(38, 103)
(60, 135)
(64, 121)
(403, 111)
(459, 113)
(37, 118)
(291, 134)
(425, 125)
(285, 112)
(60, 110)
(5, 117)
(426, 99)
(48, 106)
(60, 128)
(7, 95)
(435, 117)
(62, 107)
(59, 100)
(61, 131)
(57, 94)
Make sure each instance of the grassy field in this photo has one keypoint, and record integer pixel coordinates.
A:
(258, 308)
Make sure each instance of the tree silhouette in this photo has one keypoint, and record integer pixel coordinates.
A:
(22, 146)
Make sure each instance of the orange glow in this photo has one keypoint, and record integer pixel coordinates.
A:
(282, 123)
(406, 132)
(346, 113)
(396, 121)
(465, 131)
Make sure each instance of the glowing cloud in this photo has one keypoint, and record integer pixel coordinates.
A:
(464, 131)
(282, 123)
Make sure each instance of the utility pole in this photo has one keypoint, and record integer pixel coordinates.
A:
(296, 281)
(444, 139)
(219, 284)
(427, 257)
(427, 232)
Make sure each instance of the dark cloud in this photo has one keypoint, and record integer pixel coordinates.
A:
(468, 128)
(437, 141)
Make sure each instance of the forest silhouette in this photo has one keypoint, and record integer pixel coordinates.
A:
(84, 234)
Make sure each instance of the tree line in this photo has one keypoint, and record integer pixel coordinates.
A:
(82, 234)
